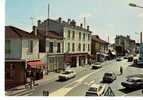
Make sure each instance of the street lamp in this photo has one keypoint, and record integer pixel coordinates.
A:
(134, 5)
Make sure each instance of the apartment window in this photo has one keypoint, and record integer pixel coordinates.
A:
(73, 34)
(83, 47)
(51, 47)
(58, 48)
(79, 47)
(79, 35)
(83, 36)
(68, 34)
(73, 47)
(30, 46)
(7, 47)
(68, 47)
(88, 37)
(88, 47)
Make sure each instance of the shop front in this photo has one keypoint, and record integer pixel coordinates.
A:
(35, 69)
(75, 60)
(14, 73)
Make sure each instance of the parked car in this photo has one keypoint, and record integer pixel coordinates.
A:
(133, 83)
(67, 74)
(109, 77)
(130, 58)
(118, 59)
(125, 57)
(96, 90)
(96, 66)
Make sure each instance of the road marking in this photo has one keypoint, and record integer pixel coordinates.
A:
(64, 90)
(91, 82)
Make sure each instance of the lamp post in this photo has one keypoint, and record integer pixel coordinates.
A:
(138, 6)
(134, 5)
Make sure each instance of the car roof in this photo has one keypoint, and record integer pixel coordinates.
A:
(135, 78)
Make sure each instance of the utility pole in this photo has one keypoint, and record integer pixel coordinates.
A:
(141, 37)
(84, 22)
(32, 19)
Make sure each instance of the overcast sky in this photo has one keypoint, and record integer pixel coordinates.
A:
(105, 17)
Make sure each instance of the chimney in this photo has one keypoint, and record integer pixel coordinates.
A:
(73, 23)
(88, 28)
(60, 19)
(35, 30)
(81, 25)
(69, 20)
(39, 22)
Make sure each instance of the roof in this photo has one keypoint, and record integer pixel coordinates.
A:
(14, 32)
(98, 39)
(51, 34)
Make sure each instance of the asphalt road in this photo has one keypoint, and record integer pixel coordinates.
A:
(79, 85)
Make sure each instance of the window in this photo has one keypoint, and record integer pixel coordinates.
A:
(73, 34)
(73, 47)
(58, 48)
(68, 34)
(83, 47)
(88, 47)
(51, 47)
(88, 37)
(7, 47)
(79, 35)
(83, 36)
(79, 47)
(68, 47)
(30, 46)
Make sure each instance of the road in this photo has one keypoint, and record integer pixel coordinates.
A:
(79, 85)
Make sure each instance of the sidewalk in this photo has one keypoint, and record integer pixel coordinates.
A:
(22, 91)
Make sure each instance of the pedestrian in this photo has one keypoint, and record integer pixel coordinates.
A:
(121, 70)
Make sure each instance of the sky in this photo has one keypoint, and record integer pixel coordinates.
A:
(105, 17)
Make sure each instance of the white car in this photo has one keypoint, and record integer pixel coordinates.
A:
(96, 90)
(67, 74)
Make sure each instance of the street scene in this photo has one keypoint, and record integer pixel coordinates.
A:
(53, 49)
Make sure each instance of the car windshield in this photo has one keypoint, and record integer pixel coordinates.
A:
(66, 72)
(93, 89)
(108, 74)
(134, 79)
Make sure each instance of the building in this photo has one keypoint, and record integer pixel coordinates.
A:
(124, 45)
(99, 48)
(21, 53)
(53, 49)
(76, 40)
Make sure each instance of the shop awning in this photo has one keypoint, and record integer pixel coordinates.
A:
(36, 64)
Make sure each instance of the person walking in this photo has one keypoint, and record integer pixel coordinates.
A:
(121, 70)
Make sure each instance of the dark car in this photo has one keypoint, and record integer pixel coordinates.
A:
(96, 66)
(133, 83)
(109, 77)
(130, 58)
(118, 59)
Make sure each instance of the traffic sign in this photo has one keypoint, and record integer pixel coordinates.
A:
(109, 92)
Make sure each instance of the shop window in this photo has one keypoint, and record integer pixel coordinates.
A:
(10, 72)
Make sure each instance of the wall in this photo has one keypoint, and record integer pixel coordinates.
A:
(55, 41)
(30, 56)
(76, 41)
(15, 49)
